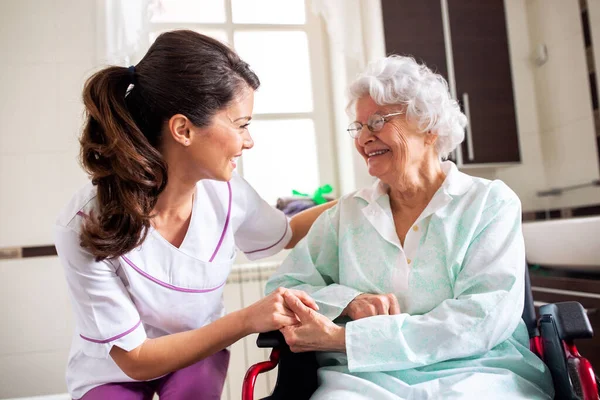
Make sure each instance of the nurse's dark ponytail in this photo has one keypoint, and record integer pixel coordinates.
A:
(183, 73)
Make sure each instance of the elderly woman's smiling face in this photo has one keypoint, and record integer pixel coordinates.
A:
(397, 148)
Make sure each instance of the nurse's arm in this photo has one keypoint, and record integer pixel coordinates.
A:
(301, 222)
(160, 356)
(313, 267)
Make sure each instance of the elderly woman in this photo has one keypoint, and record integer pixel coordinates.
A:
(427, 264)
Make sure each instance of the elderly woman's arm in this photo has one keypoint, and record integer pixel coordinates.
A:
(313, 267)
(485, 310)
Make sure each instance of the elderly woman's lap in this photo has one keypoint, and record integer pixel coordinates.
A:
(336, 385)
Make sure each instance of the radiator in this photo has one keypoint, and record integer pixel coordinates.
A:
(245, 285)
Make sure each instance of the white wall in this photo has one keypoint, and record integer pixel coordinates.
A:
(554, 111)
(564, 102)
(37, 327)
(46, 48)
(528, 177)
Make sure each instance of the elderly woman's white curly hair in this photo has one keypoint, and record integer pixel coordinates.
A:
(422, 94)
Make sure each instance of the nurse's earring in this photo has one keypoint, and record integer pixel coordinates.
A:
(187, 142)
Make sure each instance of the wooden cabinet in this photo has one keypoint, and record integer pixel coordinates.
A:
(472, 35)
(415, 28)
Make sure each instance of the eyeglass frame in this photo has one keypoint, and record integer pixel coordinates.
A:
(386, 118)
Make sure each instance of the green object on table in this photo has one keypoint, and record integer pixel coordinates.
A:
(318, 196)
(537, 270)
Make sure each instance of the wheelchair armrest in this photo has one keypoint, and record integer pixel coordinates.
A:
(570, 318)
(271, 339)
(297, 372)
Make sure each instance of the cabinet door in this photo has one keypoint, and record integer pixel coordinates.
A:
(414, 28)
(483, 74)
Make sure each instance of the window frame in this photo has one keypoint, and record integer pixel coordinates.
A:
(321, 115)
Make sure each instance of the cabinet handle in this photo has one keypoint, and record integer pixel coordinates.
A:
(457, 153)
(470, 151)
(448, 47)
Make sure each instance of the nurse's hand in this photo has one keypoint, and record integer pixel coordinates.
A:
(369, 305)
(314, 331)
(271, 313)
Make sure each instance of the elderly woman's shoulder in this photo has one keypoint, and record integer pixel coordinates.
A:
(360, 195)
(494, 191)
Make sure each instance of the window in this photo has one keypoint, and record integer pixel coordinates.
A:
(291, 126)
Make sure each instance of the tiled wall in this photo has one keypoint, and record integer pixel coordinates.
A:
(527, 178)
(567, 130)
(555, 120)
(46, 48)
(36, 327)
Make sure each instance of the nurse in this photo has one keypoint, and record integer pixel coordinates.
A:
(147, 246)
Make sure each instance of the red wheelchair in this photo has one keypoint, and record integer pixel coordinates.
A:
(552, 338)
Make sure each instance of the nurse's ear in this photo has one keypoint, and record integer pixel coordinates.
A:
(179, 129)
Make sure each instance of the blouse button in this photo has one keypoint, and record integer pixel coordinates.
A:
(415, 228)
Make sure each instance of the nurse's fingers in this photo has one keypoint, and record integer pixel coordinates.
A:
(305, 298)
(285, 320)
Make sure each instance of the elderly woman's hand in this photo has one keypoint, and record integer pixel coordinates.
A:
(271, 312)
(314, 332)
(369, 305)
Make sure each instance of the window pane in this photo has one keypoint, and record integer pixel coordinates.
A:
(281, 61)
(268, 12)
(284, 157)
(220, 35)
(212, 11)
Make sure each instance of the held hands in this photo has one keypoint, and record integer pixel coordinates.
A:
(272, 313)
(369, 305)
(313, 331)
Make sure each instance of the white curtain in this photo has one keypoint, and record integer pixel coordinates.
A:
(344, 24)
(123, 30)
(355, 33)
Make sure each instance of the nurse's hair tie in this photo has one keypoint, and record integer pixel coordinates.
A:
(131, 72)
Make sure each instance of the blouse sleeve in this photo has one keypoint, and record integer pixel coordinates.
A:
(265, 230)
(105, 314)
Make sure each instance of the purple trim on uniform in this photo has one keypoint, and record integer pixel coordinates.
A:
(225, 227)
(82, 214)
(168, 285)
(119, 336)
(274, 244)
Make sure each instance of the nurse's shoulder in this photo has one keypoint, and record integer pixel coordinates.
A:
(244, 197)
(82, 204)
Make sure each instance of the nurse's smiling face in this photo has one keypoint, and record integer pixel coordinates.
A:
(211, 152)
(217, 148)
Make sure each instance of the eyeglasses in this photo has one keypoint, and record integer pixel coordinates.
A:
(375, 123)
